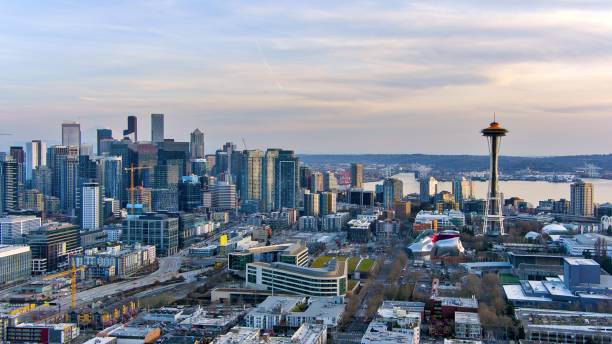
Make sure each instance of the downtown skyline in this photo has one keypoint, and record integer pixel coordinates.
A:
(317, 78)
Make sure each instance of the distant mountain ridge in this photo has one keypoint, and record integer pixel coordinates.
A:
(568, 163)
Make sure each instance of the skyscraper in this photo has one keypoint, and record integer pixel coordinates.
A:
(330, 182)
(157, 127)
(428, 188)
(581, 201)
(494, 219)
(462, 189)
(268, 186)
(251, 176)
(71, 134)
(393, 190)
(196, 144)
(311, 204)
(357, 176)
(18, 154)
(102, 134)
(91, 206)
(327, 203)
(287, 179)
(36, 155)
(316, 182)
(112, 177)
(132, 128)
(12, 185)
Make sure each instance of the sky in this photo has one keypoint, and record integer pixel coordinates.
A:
(317, 76)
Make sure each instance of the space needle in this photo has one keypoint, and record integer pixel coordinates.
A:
(493, 224)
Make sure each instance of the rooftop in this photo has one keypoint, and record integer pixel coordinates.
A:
(467, 318)
(580, 261)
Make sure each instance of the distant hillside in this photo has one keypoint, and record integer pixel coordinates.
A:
(469, 162)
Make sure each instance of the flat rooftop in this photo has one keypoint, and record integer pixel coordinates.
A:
(467, 318)
(580, 261)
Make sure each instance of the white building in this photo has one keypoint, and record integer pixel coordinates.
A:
(13, 228)
(293, 311)
(467, 326)
(578, 244)
(91, 213)
(395, 322)
(446, 219)
(306, 334)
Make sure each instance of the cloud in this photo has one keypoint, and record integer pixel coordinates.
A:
(315, 75)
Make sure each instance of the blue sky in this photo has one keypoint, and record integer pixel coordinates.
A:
(315, 76)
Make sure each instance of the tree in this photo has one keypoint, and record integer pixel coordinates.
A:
(587, 254)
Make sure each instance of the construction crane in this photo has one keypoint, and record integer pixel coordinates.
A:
(73, 280)
(132, 169)
(244, 143)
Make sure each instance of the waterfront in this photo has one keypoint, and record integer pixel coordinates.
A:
(531, 191)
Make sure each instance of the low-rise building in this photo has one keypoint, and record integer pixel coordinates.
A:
(124, 261)
(293, 279)
(335, 222)
(13, 228)
(42, 333)
(467, 326)
(15, 263)
(395, 322)
(306, 334)
(308, 223)
(278, 312)
(291, 253)
(556, 326)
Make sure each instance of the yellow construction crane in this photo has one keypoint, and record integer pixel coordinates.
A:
(132, 169)
(73, 280)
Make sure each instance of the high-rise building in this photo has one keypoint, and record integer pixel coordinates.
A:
(268, 186)
(581, 200)
(223, 196)
(102, 134)
(157, 127)
(111, 175)
(190, 193)
(311, 204)
(252, 165)
(428, 189)
(12, 184)
(91, 206)
(68, 173)
(42, 180)
(36, 155)
(330, 182)
(493, 223)
(287, 179)
(34, 200)
(327, 203)
(196, 144)
(132, 128)
(199, 167)
(357, 175)
(18, 154)
(305, 174)
(52, 244)
(462, 189)
(55, 158)
(316, 182)
(159, 230)
(393, 190)
(71, 134)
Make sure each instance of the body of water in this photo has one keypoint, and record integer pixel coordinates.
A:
(531, 191)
